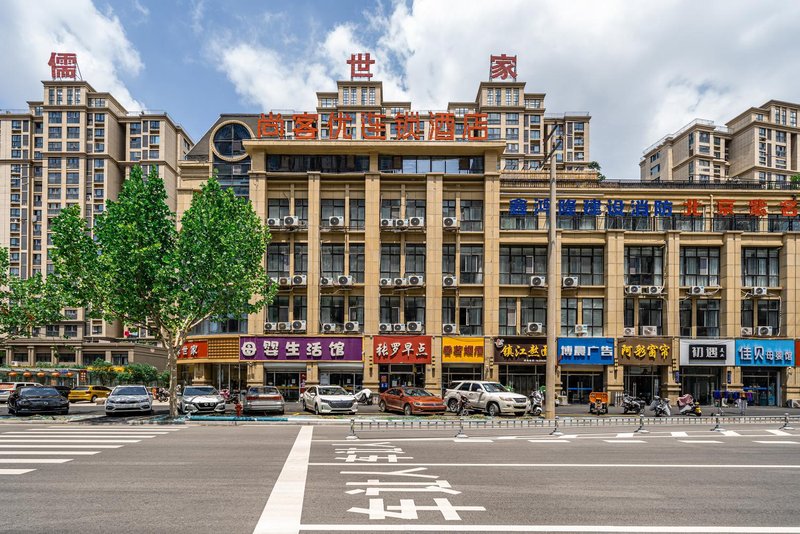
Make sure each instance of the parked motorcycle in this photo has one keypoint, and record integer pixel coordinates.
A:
(660, 407)
(364, 396)
(688, 406)
(463, 406)
(632, 404)
(162, 395)
(537, 401)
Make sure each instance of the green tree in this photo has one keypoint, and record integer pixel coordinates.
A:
(142, 373)
(103, 372)
(139, 268)
(795, 179)
(163, 379)
(593, 165)
(26, 303)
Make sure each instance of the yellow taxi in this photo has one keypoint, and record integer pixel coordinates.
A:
(88, 393)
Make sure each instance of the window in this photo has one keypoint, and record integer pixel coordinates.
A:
(278, 310)
(768, 314)
(699, 266)
(449, 259)
(517, 264)
(471, 264)
(51, 330)
(518, 222)
(593, 316)
(533, 310)
(508, 316)
(493, 118)
(331, 309)
(355, 309)
(414, 309)
(415, 207)
(470, 316)
(357, 212)
(390, 309)
(415, 259)
(390, 208)
(300, 258)
(644, 266)
(300, 308)
(119, 358)
(301, 209)
(512, 133)
(761, 267)
(357, 262)
(448, 208)
(471, 215)
(332, 259)
(390, 261)
(449, 310)
(650, 313)
(707, 318)
(569, 316)
(278, 259)
(584, 262)
(331, 207)
(277, 208)
(686, 317)
(54, 117)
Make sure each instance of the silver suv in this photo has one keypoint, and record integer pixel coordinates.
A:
(491, 397)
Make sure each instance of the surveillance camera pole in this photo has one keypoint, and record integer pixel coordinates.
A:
(553, 286)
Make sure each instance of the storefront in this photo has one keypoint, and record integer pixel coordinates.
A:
(762, 362)
(462, 359)
(582, 361)
(645, 362)
(703, 364)
(401, 360)
(292, 362)
(522, 362)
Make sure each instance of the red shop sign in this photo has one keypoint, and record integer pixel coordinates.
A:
(194, 349)
(402, 349)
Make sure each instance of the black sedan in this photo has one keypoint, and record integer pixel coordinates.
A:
(26, 401)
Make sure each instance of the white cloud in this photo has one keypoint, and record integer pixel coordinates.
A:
(30, 31)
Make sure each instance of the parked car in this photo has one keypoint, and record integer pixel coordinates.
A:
(410, 401)
(328, 399)
(127, 399)
(200, 399)
(32, 399)
(263, 399)
(88, 393)
(7, 388)
(491, 397)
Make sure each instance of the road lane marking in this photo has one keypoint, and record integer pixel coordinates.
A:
(409, 527)
(472, 440)
(581, 466)
(60, 446)
(551, 440)
(624, 441)
(29, 435)
(69, 440)
(730, 433)
(625, 435)
(15, 471)
(679, 434)
(34, 460)
(698, 441)
(779, 432)
(284, 509)
(54, 453)
(776, 442)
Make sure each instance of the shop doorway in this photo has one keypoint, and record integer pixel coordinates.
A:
(642, 381)
(351, 381)
(456, 373)
(764, 384)
(579, 385)
(522, 379)
(230, 376)
(392, 376)
(700, 383)
(290, 383)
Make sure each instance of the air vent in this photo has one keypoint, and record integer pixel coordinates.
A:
(328, 328)
(270, 327)
(274, 223)
(326, 281)
(400, 282)
(747, 331)
(581, 329)
(398, 327)
(291, 221)
(759, 291)
(764, 331)
(387, 223)
(386, 282)
(284, 327)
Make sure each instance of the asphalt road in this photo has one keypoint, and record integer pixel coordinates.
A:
(191, 478)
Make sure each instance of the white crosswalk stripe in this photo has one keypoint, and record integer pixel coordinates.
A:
(58, 445)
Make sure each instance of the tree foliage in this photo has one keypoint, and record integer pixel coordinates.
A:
(595, 166)
(139, 268)
(103, 372)
(142, 373)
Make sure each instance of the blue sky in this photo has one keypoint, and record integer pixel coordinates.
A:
(641, 69)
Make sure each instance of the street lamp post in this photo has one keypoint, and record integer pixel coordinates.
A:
(553, 289)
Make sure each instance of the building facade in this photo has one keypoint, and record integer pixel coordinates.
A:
(422, 260)
(758, 145)
(76, 146)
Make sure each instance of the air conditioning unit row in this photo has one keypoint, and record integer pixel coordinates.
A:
(336, 281)
(411, 326)
(285, 326)
(289, 222)
(416, 223)
(644, 290)
(286, 282)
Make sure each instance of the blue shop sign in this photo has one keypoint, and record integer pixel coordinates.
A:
(765, 352)
(586, 350)
(518, 207)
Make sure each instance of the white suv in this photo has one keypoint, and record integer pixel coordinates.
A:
(491, 397)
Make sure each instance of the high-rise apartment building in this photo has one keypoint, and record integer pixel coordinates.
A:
(75, 146)
(758, 145)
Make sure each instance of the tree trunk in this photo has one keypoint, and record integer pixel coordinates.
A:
(172, 367)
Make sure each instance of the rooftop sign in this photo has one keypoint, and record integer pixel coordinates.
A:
(503, 67)
(63, 66)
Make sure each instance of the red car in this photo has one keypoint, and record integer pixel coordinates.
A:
(410, 401)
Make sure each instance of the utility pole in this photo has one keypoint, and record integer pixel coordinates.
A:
(553, 286)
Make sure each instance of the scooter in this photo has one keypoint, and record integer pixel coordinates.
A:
(688, 406)
(660, 407)
(632, 404)
(162, 395)
(364, 396)
(537, 400)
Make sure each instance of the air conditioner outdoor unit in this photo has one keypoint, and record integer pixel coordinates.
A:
(654, 290)
(569, 281)
(764, 331)
(291, 221)
(649, 331)
(534, 328)
(759, 291)
(299, 280)
(414, 326)
(387, 223)
(628, 332)
(274, 222)
(416, 222)
(352, 326)
(398, 327)
(450, 223)
(386, 282)
(336, 222)
(449, 280)
(400, 282)
(747, 331)
(345, 281)
(581, 330)
(326, 281)
(697, 290)
(17, 364)
(299, 326)
(538, 281)
(416, 280)
(401, 223)
(284, 281)
(284, 327)
(270, 327)
(385, 327)
(633, 290)
(328, 328)
(449, 328)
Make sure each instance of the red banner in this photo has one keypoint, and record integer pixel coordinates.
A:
(402, 349)
(194, 349)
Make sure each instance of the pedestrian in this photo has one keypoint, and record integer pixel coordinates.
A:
(742, 404)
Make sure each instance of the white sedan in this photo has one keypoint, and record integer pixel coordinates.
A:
(328, 399)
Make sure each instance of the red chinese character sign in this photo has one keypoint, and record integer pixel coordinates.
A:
(503, 67)
(401, 349)
(63, 66)
(360, 66)
(194, 349)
